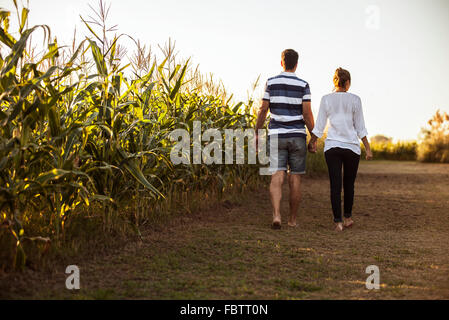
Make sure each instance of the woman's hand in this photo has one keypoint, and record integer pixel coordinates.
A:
(369, 154)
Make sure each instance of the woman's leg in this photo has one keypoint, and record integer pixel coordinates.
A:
(334, 164)
(350, 166)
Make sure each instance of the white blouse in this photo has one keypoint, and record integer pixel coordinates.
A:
(346, 122)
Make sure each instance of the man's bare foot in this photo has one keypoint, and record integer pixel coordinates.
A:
(276, 224)
(339, 226)
(291, 224)
(276, 221)
(348, 223)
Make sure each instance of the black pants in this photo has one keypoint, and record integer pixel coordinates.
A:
(336, 158)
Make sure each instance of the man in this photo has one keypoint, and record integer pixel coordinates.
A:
(287, 97)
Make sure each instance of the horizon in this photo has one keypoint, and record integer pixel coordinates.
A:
(387, 52)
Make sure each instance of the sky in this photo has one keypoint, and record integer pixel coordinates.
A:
(396, 50)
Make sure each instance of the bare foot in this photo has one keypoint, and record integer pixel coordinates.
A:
(276, 221)
(292, 222)
(339, 227)
(348, 223)
(276, 224)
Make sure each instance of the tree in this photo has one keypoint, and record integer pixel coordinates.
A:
(381, 139)
(434, 146)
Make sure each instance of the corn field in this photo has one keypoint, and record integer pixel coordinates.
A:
(82, 134)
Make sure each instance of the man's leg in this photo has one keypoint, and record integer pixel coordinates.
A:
(278, 166)
(294, 181)
(277, 179)
(297, 152)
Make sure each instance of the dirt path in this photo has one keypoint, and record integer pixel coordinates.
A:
(402, 226)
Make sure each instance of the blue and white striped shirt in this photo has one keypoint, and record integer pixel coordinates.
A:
(286, 93)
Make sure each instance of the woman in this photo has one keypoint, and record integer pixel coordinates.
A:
(342, 146)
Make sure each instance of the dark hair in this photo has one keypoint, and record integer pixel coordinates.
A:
(289, 58)
(340, 77)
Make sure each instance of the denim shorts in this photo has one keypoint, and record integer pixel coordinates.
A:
(291, 155)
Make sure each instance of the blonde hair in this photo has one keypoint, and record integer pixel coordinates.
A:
(340, 77)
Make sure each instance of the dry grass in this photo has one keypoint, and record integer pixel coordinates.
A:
(229, 252)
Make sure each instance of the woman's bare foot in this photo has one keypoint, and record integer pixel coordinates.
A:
(339, 226)
(292, 222)
(348, 223)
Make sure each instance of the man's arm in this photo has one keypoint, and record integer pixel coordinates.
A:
(310, 123)
(308, 115)
(262, 115)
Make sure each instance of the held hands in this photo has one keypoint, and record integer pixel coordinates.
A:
(312, 147)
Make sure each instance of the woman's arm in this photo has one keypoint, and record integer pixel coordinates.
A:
(359, 124)
(358, 119)
(369, 154)
(321, 121)
(320, 125)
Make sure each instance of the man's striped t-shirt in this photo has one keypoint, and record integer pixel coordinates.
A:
(286, 93)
